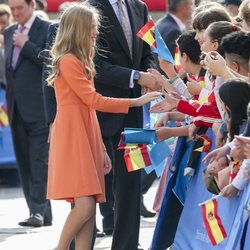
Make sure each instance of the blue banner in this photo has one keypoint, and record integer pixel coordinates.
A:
(7, 155)
(191, 232)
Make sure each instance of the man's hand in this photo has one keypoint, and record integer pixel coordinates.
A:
(147, 80)
(19, 39)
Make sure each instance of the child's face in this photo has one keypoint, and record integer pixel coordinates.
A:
(199, 36)
(208, 45)
(94, 34)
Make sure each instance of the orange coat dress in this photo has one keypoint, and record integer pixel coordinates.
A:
(76, 147)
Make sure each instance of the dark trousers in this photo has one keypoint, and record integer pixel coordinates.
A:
(31, 150)
(127, 193)
(107, 208)
(147, 180)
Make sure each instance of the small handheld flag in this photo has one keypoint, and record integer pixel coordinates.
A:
(151, 35)
(4, 122)
(137, 158)
(215, 230)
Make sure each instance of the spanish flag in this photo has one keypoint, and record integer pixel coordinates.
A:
(137, 158)
(4, 121)
(215, 230)
(151, 35)
(178, 66)
(146, 33)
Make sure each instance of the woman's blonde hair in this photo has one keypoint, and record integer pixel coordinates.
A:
(74, 36)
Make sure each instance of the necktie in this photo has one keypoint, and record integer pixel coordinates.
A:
(16, 50)
(125, 25)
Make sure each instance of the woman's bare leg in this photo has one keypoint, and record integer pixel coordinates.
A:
(83, 212)
(84, 237)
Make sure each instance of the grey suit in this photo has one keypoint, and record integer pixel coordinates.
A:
(27, 117)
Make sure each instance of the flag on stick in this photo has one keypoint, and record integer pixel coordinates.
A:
(215, 230)
(151, 35)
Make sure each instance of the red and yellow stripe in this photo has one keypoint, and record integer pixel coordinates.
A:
(214, 227)
(136, 158)
(4, 121)
(146, 33)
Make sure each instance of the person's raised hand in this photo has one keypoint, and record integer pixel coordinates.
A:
(148, 80)
(166, 105)
(162, 121)
(163, 133)
(229, 191)
(216, 154)
(148, 97)
(215, 63)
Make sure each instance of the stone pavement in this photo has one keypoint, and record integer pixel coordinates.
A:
(13, 237)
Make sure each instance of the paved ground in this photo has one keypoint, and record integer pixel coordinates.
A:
(13, 209)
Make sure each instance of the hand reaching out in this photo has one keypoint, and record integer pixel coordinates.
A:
(168, 104)
(162, 121)
(215, 63)
(229, 191)
(149, 81)
(166, 85)
(163, 133)
(148, 97)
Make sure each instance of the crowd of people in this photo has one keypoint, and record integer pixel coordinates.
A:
(72, 86)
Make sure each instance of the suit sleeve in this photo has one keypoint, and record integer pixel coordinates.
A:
(112, 74)
(32, 51)
(72, 71)
(49, 92)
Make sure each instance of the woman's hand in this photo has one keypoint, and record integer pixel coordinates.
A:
(148, 97)
(168, 104)
(107, 166)
(229, 191)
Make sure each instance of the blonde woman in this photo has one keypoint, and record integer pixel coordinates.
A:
(78, 159)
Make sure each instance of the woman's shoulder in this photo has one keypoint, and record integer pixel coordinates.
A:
(70, 60)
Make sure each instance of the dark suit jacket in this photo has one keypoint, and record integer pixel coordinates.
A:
(24, 83)
(114, 65)
(48, 91)
(170, 31)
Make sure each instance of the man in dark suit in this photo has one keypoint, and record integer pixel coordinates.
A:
(23, 43)
(175, 22)
(121, 67)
